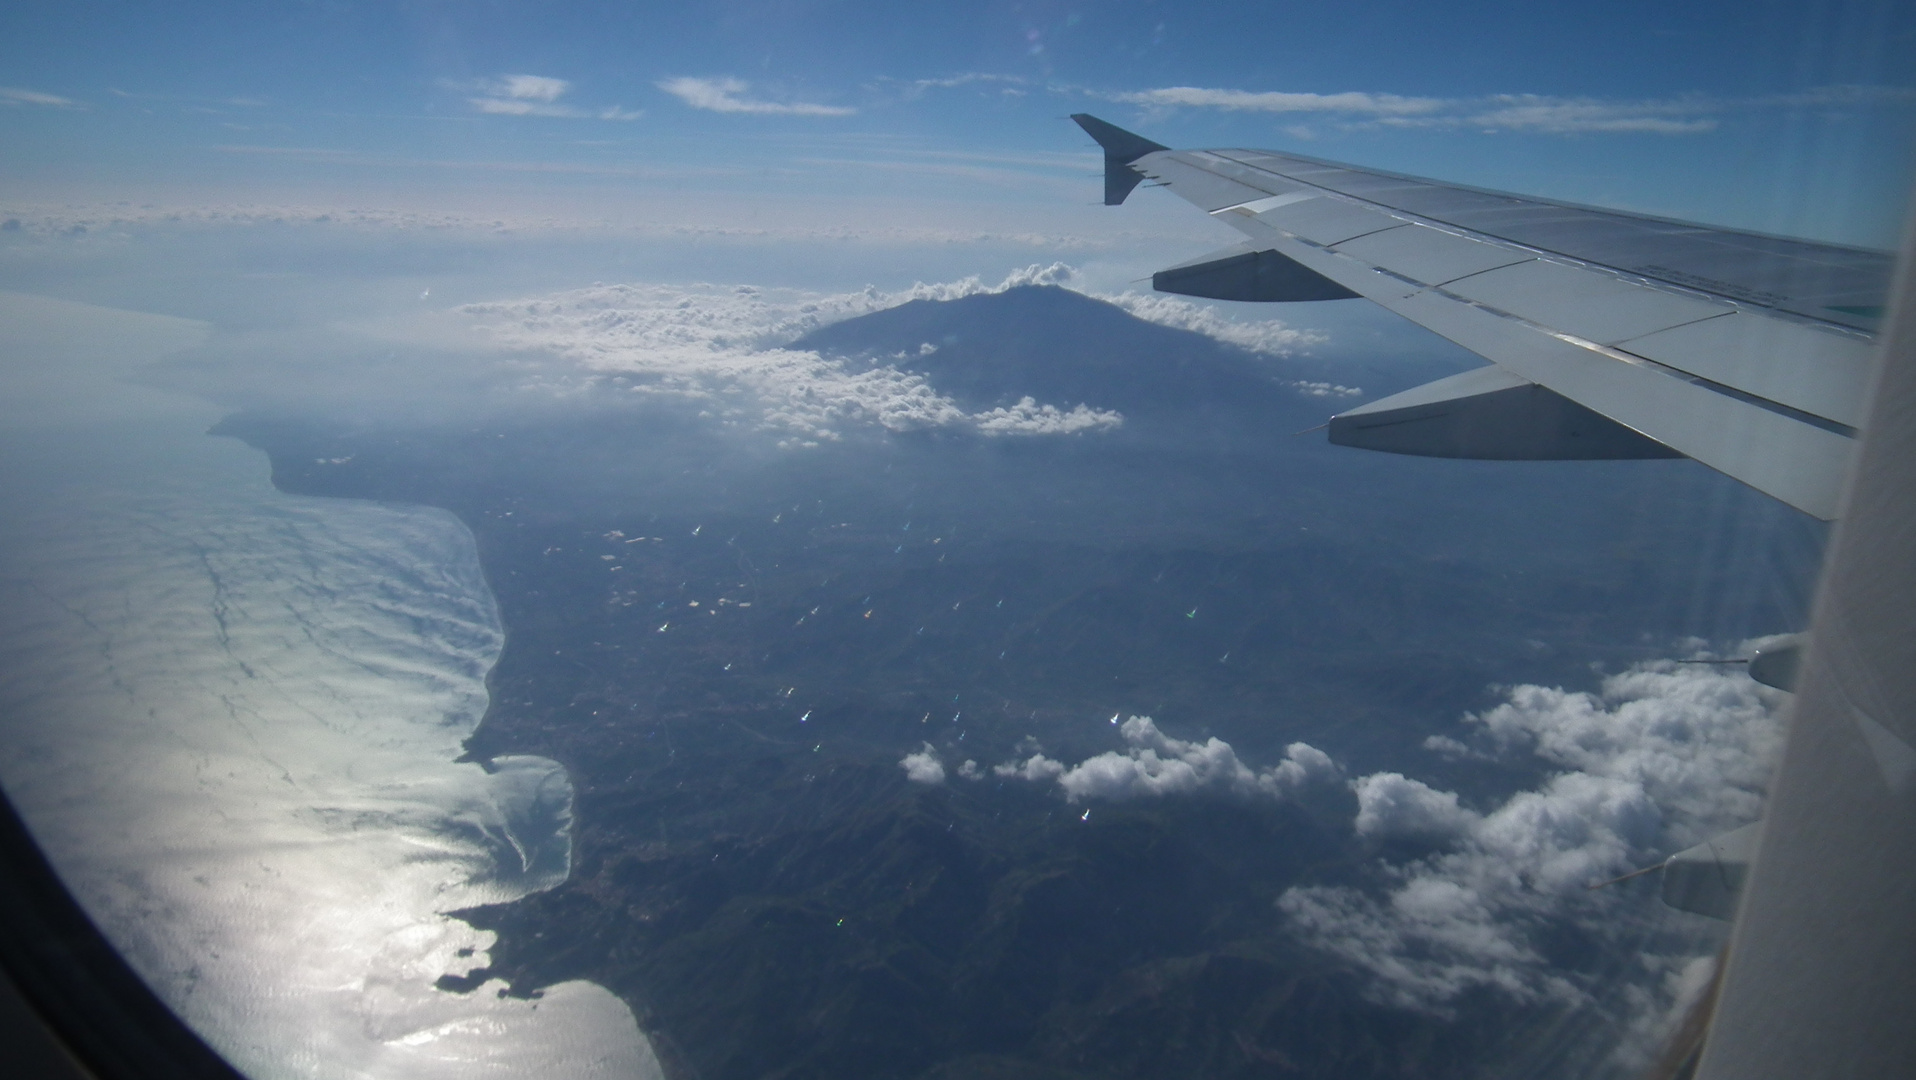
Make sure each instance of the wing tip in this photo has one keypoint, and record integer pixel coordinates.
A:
(1119, 145)
(1121, 148)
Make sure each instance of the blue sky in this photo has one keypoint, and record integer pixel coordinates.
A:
(1781, 116)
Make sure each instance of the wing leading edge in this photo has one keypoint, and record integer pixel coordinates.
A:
(1614, 335)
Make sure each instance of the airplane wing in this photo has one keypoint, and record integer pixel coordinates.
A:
(1612, 335)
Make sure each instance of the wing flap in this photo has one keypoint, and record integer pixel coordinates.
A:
(1590, 304)
(1820, 372)
(1775, 453)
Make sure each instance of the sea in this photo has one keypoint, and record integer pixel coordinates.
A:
(234, 720)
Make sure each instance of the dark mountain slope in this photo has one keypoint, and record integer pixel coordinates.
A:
(1063, 348)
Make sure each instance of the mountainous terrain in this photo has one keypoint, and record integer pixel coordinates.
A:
(730, 646)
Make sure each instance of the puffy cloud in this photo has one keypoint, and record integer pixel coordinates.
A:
(923, 767)
(1469, 917)
(1303, 764)
(1035, 768)
(1028, 417)
(1391, 804)
(1699, 740)
(1326, 389)
(1447, 747)
(1155, 764)
(1661, 757)
(726, 95)
(1057, 273)
(1258, 335)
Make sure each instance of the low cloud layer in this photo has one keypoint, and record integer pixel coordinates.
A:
(725, 349)
(71, 221)
(1154, 764)
(729, 95)
(1664, 756)
(1497, 898)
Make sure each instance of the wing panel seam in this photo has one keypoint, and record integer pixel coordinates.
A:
(1464, 231)
(1790, 411)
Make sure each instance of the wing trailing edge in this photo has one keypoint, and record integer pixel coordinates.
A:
(1490, 414)
(1749, 353)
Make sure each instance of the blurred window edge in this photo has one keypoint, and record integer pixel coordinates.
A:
(70, 1004)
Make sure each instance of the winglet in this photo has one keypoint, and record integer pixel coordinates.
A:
(1121, 148)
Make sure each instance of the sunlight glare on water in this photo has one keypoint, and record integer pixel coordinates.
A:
(232, 717)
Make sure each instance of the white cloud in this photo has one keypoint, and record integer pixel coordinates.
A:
(1698, 739)
(1057, 273)
(1303, 764)
(1447, 747)
(970, 78)
(14, 95)
(538, 95)
(913, 89)
(1664, 756)
(532, 88)
(1035, 768)
(1324, 389)
(924, 767)
(1281, 102)
(515, 107)
(1560, 116)
(726, 95)
(1028, 417)
(725, 347)
(1538, 113)
(1258, 335)
(1155, 764)
(1392, 804)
